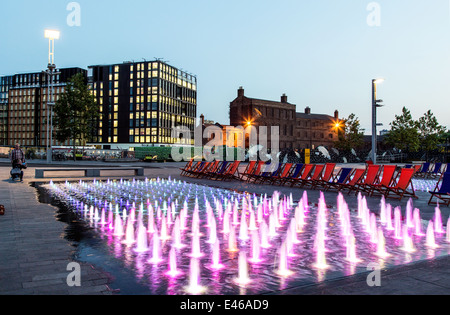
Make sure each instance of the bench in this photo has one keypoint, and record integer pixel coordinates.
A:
(89, 172)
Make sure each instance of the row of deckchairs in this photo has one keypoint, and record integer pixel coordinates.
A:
(386, 180)
(442, 190)
(429, 170)
(373, 180)
(224, 171)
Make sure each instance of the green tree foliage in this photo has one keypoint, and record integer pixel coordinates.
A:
(76, 112)
(404, 134)
(430, 132)
(350, 135)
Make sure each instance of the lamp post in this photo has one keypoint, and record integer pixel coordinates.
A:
(51, 35)
(375, 105)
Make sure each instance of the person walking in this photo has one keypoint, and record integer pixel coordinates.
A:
(18, 159)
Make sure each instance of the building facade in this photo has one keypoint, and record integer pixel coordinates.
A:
(23, 106)
(141, 102)
(251, 112)
(314, 130)
(5, 85)
(296, 130)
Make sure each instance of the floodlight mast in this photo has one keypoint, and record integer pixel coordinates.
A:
(375, 105)
(51, 35)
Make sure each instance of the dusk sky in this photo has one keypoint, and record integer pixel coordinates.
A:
(322, 54)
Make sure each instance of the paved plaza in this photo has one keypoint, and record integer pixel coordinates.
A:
(34, 254)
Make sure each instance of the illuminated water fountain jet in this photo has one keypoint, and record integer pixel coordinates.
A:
(194, 278)
(431, 240)
(243, 276)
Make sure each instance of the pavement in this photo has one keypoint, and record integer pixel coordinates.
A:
(35, 255)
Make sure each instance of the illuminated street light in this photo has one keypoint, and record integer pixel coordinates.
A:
(375, 105)
(51, 35)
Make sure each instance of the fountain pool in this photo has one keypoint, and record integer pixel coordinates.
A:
(168, 237)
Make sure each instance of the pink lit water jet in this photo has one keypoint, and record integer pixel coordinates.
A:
(195, 247)
(164, 232)
(381, 245)
(156, 251)
(216, 264)
(383, 217)
(194, 278)
(409, 214)
(272, 226)
(299, 215)
(226, 223)
(232, 243)
(142, 240)
(256, 248)
(176, 235)
(243, 277)
(151, 223)
(264, 235)
(252, 224)
(398, 223)
(283, 263)
(417, 223)
(389, 223)
(321, 261)
(212, 231)
(447, 236)
(431, 240)
(293, 231)
(373, 229)
(173, 269)
(103, 217)
(110, 220)
(351, 250)
(438, 221)
(118, 226)
(243, 230)
(408, 245)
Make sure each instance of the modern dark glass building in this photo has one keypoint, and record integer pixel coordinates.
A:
(140, 103)
(23, 106)
(5, 85)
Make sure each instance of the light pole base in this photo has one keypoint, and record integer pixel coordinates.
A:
(49, 156)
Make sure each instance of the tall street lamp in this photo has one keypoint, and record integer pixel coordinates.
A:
(51, 35)
(375, 104)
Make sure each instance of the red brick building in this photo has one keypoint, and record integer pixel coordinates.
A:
(296, 130)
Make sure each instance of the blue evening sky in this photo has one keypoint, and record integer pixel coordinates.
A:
(322, 53)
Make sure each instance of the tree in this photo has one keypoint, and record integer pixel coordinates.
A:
(76, 113)
(404, 134)
(430, 132)
(351, 136)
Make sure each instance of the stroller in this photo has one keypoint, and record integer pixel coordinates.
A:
(16, 172)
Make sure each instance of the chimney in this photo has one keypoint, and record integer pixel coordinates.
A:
(241, 91)
(284, 98)
(336, 114)
(202, 118)
(308, 111)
